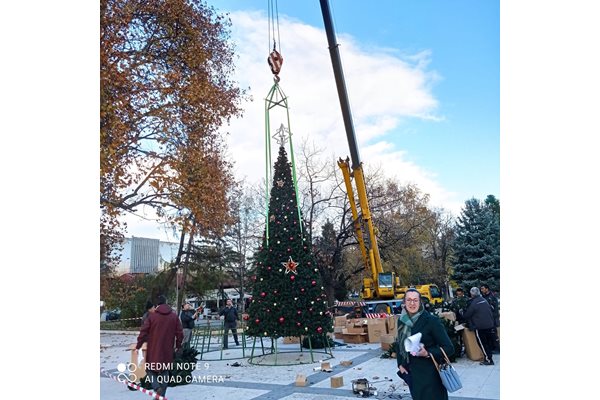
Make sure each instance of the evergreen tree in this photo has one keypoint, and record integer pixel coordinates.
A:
(288, 297)
(477, 244)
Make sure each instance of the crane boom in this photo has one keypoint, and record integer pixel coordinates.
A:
(340, 83)
(381, 285)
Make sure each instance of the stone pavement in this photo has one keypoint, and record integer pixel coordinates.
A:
(217, 378)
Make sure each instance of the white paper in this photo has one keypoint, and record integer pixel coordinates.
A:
(412, 344)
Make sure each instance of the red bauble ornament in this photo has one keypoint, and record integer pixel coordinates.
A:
(302, 290)
(292, 277)
(319, 330)
(274, 291)
(298, 324)
(314, 283)
(281, 319)
(257, 321)
(268, 268)
(289, 250)
(291, 238)
(299, 312)
(246, 317)
(263, 294)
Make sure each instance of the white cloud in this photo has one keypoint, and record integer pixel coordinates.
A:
(384, 89)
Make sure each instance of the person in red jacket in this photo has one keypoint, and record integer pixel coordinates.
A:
(161, 330)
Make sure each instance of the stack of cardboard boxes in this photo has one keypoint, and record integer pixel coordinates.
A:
(363, 330)
(339, 323)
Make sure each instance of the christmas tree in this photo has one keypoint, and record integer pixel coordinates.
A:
(288, 297)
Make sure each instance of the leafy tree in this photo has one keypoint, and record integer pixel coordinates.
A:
(165, 90)
(288, 296)
(477, 244)
(329, 257)
(129, 293)
(403, 220)
(438, 251)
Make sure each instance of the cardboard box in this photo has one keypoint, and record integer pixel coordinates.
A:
(301, 380)
(357, 322)
(346, 363)
(355, 338)
(338, 335)
(340, 321)
(325, 366)
(337, 381)
(387, 341)
(375, 329)
(354, 329)
(291, 340)
(338, 329)
(471, 347)
(392, 325)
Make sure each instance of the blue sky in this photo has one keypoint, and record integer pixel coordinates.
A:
(423, 79)
(461, 40)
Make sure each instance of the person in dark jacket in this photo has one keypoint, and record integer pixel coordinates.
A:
(479, 316)
(493, 301)
(491, 298)
(230, 316)
(161, 330)
(459, 305)
(188, 318)
(149, 309)
(417, 368)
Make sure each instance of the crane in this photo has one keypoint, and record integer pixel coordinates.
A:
(380, 285)
(380, 288)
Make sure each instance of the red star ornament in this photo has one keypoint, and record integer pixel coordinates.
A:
(290, 266)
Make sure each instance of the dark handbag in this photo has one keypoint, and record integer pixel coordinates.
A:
(447, 373)
(406, 377)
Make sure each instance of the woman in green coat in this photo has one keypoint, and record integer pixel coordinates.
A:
(417, 368)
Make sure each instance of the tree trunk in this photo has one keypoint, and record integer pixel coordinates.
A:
(181, 293)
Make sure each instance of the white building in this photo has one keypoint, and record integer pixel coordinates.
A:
(144, 255)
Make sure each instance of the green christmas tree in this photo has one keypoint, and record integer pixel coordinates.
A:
(288, 297)
(477, 244)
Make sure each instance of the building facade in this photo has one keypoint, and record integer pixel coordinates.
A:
(145, 255)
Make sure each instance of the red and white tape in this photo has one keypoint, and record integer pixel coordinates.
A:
(133, 385)
(376, 315)
(350, 303)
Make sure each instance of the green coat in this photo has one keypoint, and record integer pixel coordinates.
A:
(426, 382)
